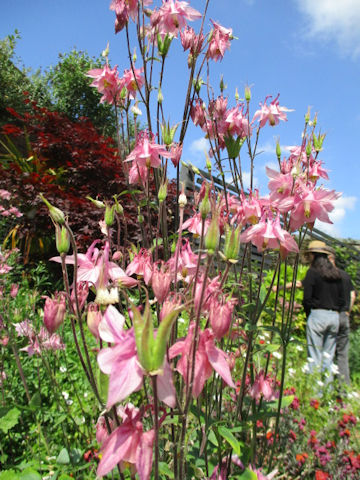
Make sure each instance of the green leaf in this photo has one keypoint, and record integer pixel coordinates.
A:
(285, 402)
(29, 474)
(76, 455)
(164, 469)
(8, 475)
(9, 420)
(212, 438)
(35, 402)
(63, 457)
(248, 475)
(229, 437)
(65, 477)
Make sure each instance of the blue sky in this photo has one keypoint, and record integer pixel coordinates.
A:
(308, 51)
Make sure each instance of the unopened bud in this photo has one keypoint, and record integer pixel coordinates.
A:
(205, 207)
(197, 85)
(307, 116)
(278, 150)
(55, 213)
(162, 192)
(119, 208)
(308, 149)
(97, 203)
(247, 94)
(109, 215)
(315, 120)
(237, 96)
(232, 243)
(182, 200)
(160, 97)
(134, 55)
(105, 53)
(222, 84)
(62, 239)
(212, 236)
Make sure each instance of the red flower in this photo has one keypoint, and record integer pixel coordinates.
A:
(314, 403)
(320, 475)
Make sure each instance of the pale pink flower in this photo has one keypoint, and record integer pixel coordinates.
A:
(173, 15)
(269, 234)
(175, 153)
(198, 113)
(93, 319)
(311, 205)
(138, 174)
(194, 224)
(132, 82)
(207, 358)
(160, 281)
(14, 290)
(237, 123)
(128, 443)
(121, 362)
(219, 41)
(24, 329)
(4, 194)
(262, 386)
(147, 153)
(220, 315)
(191, 41)
(141, 264)
(272, 113)
(171, 303)
(54, 311)
(106, 81)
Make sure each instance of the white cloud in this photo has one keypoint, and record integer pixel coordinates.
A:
(199, 146)
(342, 205)
(334, 20)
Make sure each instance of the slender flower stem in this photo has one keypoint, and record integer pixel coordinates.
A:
(156, 427)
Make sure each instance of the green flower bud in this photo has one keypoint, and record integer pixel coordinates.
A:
(62, 239)
(307, 116)
(56, 214)
(134, 56)
(168, 133)
(109, 215)
(205, 207)
(197, 85)
(247, 94)
(163, 44)
(162, 192)
(308, 149)
(160, 97)
(97, 203)
(212, 236)
(278, 150)
(237, 96)
(161, 340)
(232, 243)
(222, 84)
(118, 207)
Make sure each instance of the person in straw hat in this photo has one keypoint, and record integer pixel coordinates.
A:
(323, 300)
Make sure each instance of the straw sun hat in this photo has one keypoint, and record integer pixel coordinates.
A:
(317, 246)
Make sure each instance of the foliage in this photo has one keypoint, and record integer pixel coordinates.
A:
(71, 94)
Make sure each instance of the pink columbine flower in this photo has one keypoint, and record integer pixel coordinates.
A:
(175, 153)
(141, 264)
(191, 41)
(237, 123)
(160, 281)
(5, 194)
(194, 224)
(207, 358)
(138, 174)
(93, 319)
(311, 204)
(262, 386)
(128, 443)
(198, 113)
(106, 81)
(220, 315)
(14, 290)
(219, 41)
(147, 153)
(95, 268)
(132, 81)
(173, 15)
(269, 234)
(121, 362)
(272, 113)
(125, 9)
(54, 311)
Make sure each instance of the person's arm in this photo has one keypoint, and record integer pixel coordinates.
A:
(308, 284)
(352, 299)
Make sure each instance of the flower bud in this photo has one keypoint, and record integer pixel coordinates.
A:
(197, 85)
(93, 319)
(278, 150)
(55, 213)
(205, 207)
(118, 208)
(105, 53)
(160, 97)
(182, 200)
(54, 312)
(212, 236)
(232, 243)
(62, 239)
(308, 149)
(134, 56)
(222, 84)
(307, 116)
(168, 133)
(162, 192)
(247, 94)
(97, 203)
(237, 96)
(109, 215)
(163, 44)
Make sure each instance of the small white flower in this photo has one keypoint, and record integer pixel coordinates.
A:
(299, 348)
(310, 360)
(86, 395)
(326, 355)
(305, 368)
(69, 401)
(291, 371)
(277, 354)
(65, 395)
(334, 368)
(63, 369)
(262, 337)
(320, 383)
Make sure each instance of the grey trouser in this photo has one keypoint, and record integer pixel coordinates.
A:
(321, 331)
(342, 347)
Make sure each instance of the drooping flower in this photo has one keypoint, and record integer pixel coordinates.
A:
(220, 314)
(272, 113)
(173, 16)
(160, 281)
(54, 312)
(128, 443)
(219, 41)
(132, 81)
(141, 264)
(122, 364)
(207, 358)
(147, 153)
(261, 386)
(106, 81)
